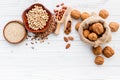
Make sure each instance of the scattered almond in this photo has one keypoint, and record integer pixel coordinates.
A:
(65, 39)
(68, 46)
(71, 38)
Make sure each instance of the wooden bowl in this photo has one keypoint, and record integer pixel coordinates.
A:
(25, 21)
(15, 32)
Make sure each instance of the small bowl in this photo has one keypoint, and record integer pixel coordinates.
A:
(25, 21)
(22, 38)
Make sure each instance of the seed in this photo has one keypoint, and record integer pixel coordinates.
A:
(68, 46)
(65, 39)
(57, 5)
(71, 38)
(62, 4)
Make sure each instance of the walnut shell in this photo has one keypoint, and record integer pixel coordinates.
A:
(103, 13)
(92, 36)
(114, 26)
(86, 33)
(85, 15)
(98, 28)
(108, 52)
(75, 14)
(99, 60)
(97, 50)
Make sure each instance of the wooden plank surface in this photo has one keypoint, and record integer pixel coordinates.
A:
(50, 60)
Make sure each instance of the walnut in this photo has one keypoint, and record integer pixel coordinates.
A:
(77, 26)
(97, 50)
(92, 36)
(108, 52)
(98, 28)
(86, 33)
(114, 26)
(99, 60)
(75, 14)
(84, 15)
(103, 13)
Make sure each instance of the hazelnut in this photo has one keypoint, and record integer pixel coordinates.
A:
(114, 26)
(92, 36)
(103, 13)
(77, 26)
(75, 14)
(98, 28)
(84, 15)
(99, 60)
(86, 33)
(108, 52)
(97, 50)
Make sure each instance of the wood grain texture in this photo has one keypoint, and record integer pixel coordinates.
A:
(52, 61)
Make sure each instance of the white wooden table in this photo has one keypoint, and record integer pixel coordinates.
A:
(52, 61)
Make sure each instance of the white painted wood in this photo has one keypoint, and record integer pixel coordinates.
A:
(50, 60)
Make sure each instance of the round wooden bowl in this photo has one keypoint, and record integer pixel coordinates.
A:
(21, 39)
(25, 21)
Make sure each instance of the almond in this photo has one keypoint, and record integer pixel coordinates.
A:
(68, 46)
(71, 38)
(65, 39)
